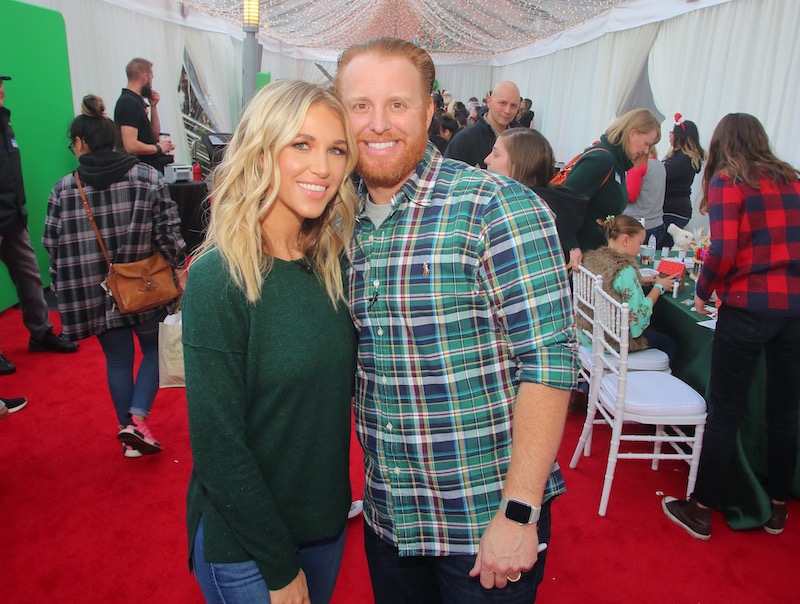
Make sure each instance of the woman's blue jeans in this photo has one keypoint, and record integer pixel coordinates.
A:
(132, 397)
(242, 583)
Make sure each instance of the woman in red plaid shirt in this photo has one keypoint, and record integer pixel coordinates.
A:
(753, 264)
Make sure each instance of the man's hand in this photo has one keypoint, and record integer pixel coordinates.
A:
(507, 549)
(154, 98)
(294, 593)
(3, 412)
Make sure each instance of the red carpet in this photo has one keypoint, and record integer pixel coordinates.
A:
(79, 523)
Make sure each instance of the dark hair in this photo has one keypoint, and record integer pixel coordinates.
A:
(450, 124)
(686, 138)
(740, 150)
(93, 127)
(532, 158)
(436, 124)
(614, 227)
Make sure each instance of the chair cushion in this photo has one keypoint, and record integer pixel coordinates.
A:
(654, 393)
(650, 359)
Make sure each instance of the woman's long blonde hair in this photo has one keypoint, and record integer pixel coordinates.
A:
(246, 184)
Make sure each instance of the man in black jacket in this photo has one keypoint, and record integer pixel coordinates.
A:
(471, 145)
(16, 251)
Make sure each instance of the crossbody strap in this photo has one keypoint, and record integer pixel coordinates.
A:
(91, 218)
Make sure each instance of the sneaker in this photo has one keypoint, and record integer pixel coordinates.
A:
(52, 343)
(689, 516)
(15, 404)
(774, 526)
(6, 366)
(129, 451)
(355, 509)
(138, 436)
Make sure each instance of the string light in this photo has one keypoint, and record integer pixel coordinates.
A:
(455, 29)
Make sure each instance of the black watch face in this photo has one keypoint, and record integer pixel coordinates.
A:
(518, 512)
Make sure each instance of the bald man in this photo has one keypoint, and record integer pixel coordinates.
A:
(471, 145)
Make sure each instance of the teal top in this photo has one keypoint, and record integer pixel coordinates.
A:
(608, 199)
(269, 388)
(640, 306)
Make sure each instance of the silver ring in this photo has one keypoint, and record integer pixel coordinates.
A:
(515, 579)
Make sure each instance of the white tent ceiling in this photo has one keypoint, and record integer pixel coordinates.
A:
(456, 29)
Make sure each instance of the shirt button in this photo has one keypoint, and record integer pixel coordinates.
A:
(380, 331)
(376, 283)
(371, 237)
(389, 426)
(397, 471)
(384, 380)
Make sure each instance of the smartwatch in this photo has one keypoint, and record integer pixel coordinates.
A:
(660, 287)
(520, 512)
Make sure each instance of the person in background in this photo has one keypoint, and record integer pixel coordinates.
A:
(753, 263)
(616, 263)
(526, 156)
(16, 251)
(525, 116)
(453, 512)
(682, 162)
(135, 217)
(140, 133)
(473, 144)
(646, 182)
(599, 175)
(269, 352)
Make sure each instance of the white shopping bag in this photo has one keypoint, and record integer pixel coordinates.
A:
(170, 353)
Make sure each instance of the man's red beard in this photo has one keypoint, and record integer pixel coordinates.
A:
(388, 172)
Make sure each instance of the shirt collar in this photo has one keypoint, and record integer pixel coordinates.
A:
(417, 188)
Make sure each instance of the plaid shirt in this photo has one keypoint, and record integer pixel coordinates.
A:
(459, 295)
(135, 217)
(753, 261)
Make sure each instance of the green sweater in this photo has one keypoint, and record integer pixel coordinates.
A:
(609, 200)
(268, 387)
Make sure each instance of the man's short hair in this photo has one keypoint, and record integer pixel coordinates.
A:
(390, 47)
(137, 67)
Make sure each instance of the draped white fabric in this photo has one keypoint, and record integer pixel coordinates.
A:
(737, 57)
(734, 55)
(217, 60)
(102, 38)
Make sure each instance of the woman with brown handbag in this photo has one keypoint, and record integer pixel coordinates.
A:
(130, 205)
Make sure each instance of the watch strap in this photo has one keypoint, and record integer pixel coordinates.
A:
(519, 511)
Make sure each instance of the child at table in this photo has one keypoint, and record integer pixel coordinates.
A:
(616, 263)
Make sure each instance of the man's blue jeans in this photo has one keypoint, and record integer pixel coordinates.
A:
(444, 579)
(242, 583)
(129, 396)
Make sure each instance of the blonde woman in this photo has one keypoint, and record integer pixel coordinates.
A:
(600, 174)
(270, 355)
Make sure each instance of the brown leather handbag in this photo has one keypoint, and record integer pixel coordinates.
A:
(135, 286)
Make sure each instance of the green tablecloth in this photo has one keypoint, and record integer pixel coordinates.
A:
(746, 503)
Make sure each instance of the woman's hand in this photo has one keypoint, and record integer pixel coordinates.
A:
(295, 592)
(576, 257)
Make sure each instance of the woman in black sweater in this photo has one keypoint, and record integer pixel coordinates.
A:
(682, 163)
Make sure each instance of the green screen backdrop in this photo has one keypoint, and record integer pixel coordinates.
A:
(33, 51)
